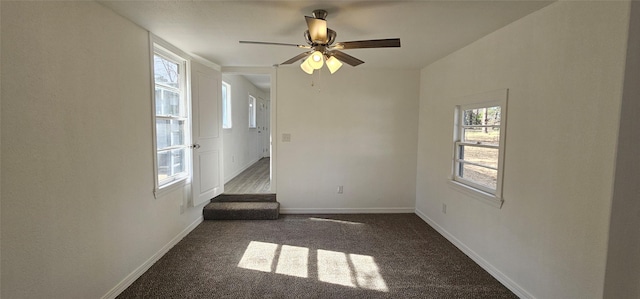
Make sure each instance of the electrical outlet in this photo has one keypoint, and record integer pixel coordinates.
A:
(444, 208)
(340, 189)
(181, 208)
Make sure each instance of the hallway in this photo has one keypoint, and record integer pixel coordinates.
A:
(255, 179)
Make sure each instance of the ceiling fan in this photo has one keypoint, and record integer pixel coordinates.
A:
(322, 47)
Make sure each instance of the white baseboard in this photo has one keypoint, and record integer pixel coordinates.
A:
(347, 211)
(235, 174)
(510, 284)
(127, 281)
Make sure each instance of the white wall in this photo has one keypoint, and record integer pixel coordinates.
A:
(240, 142)
(623, 261)
(356, 128)
(78, 213)
(563, 66)
(0, 153)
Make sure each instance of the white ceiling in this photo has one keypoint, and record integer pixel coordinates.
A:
(428, 30)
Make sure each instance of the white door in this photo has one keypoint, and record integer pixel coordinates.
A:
(260, 127)
(263, 129)
(207, 131)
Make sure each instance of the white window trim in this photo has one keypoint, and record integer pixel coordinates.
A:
(488, 99)
(229, 113)
(253, 112)
(156, 44)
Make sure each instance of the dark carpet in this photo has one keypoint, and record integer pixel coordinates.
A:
(321, 256)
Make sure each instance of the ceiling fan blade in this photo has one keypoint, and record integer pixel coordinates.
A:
(297, 58)
(346, 58)
(275, 44)
(374, 43)
(317, 29)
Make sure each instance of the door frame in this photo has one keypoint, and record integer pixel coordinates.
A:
(272, 72)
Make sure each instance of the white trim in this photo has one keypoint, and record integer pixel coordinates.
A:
(167, 47)
(205, 62)
(476, 193)
(486, 99)
(127, 281)
(273, 98)
(172, 53)
(170, 187)
(505, 280)
(347, 210)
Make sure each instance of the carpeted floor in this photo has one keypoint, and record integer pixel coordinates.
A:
(321, 256)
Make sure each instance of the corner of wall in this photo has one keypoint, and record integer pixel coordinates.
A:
(622, 275)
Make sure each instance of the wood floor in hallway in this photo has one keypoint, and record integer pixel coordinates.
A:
(255, 179)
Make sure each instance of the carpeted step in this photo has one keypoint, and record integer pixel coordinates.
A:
(241, 211)
(260, 197)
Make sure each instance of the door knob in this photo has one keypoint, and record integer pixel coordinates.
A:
(195, 146)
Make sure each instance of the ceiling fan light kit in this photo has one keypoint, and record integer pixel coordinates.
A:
(333, 64)
(320, 40)
(315, 60)
(306, 67)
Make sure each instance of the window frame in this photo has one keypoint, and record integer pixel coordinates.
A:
(486, 100)
(253, 122)
(226, 107)
(166, 51)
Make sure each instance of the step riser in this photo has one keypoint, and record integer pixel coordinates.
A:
(242, 207)
(245, 198)
(241, 215)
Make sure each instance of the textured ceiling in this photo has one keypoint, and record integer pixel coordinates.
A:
(428, 30)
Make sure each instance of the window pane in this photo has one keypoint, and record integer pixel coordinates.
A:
(479, 175)
(167, 102)
(171, 163)
(169, 132)
(165, 72)
(252, 112)
(226, 107)
(164, 159)
(482, 135)
(177, 161)
(480, 155)
(482, 116)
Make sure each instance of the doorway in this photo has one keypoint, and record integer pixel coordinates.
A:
(249, 160)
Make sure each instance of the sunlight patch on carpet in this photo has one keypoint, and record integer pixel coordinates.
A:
(333, 220)
(333, 267)
(293, 261)
(367, 273)
(258, 256)
(345, 269)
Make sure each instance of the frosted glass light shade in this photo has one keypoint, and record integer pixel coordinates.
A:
(306, 67)
(333, 64)
(316, 60)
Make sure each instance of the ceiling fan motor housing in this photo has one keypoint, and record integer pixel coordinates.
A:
(320, 14)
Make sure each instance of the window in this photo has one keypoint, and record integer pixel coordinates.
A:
(479, 145)
(252, 112)
(226, 105)
(171, 117)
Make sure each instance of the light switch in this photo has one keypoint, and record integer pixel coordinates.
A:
(286, 137)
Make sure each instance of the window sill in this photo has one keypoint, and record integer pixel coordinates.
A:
(168, 188)
(482, 196)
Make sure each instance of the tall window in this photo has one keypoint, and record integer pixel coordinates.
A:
(226, 105)
(479, 146)
(252, 112)
(171, 117)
